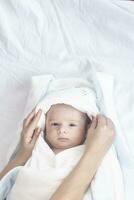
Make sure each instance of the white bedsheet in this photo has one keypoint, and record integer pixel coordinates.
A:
(33, 34)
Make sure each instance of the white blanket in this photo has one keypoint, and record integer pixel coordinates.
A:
(46, 169)
(34, 34)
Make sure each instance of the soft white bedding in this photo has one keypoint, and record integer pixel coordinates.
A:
(33, 34)
(43, 161)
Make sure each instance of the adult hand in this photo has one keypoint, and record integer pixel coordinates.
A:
(100, 134)
(30, 133)
(29, 136)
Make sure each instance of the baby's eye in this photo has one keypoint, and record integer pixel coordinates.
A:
(72, 124)
(54, 124)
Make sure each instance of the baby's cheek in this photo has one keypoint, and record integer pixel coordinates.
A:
(78, 135)
(49, 129)
(52, 132)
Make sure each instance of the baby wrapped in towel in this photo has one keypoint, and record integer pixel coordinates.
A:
(66, 116)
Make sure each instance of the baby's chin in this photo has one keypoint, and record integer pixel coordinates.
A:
(59, 144)
(66, 144)
(62, 144)
(60, 148)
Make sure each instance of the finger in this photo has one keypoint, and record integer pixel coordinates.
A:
(29, 117)
(31, 128)
(110, 123)
(102, 120)
(35, 136)
(34, 122)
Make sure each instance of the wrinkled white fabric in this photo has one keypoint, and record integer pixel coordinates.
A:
(45, 171)
(35, 33)
(82, 99)
(46, 168)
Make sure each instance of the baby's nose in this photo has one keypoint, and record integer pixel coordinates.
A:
(62, 130)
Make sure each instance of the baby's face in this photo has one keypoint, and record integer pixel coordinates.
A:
(65, 127)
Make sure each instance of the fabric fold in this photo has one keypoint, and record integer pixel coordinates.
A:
(108, 181)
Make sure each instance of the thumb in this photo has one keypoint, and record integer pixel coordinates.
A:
(35, 136)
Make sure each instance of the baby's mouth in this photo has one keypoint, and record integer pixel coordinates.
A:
(63, 139)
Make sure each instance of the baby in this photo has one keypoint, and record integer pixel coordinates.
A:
(66, 127)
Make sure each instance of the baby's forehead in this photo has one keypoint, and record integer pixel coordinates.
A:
(65, 111)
